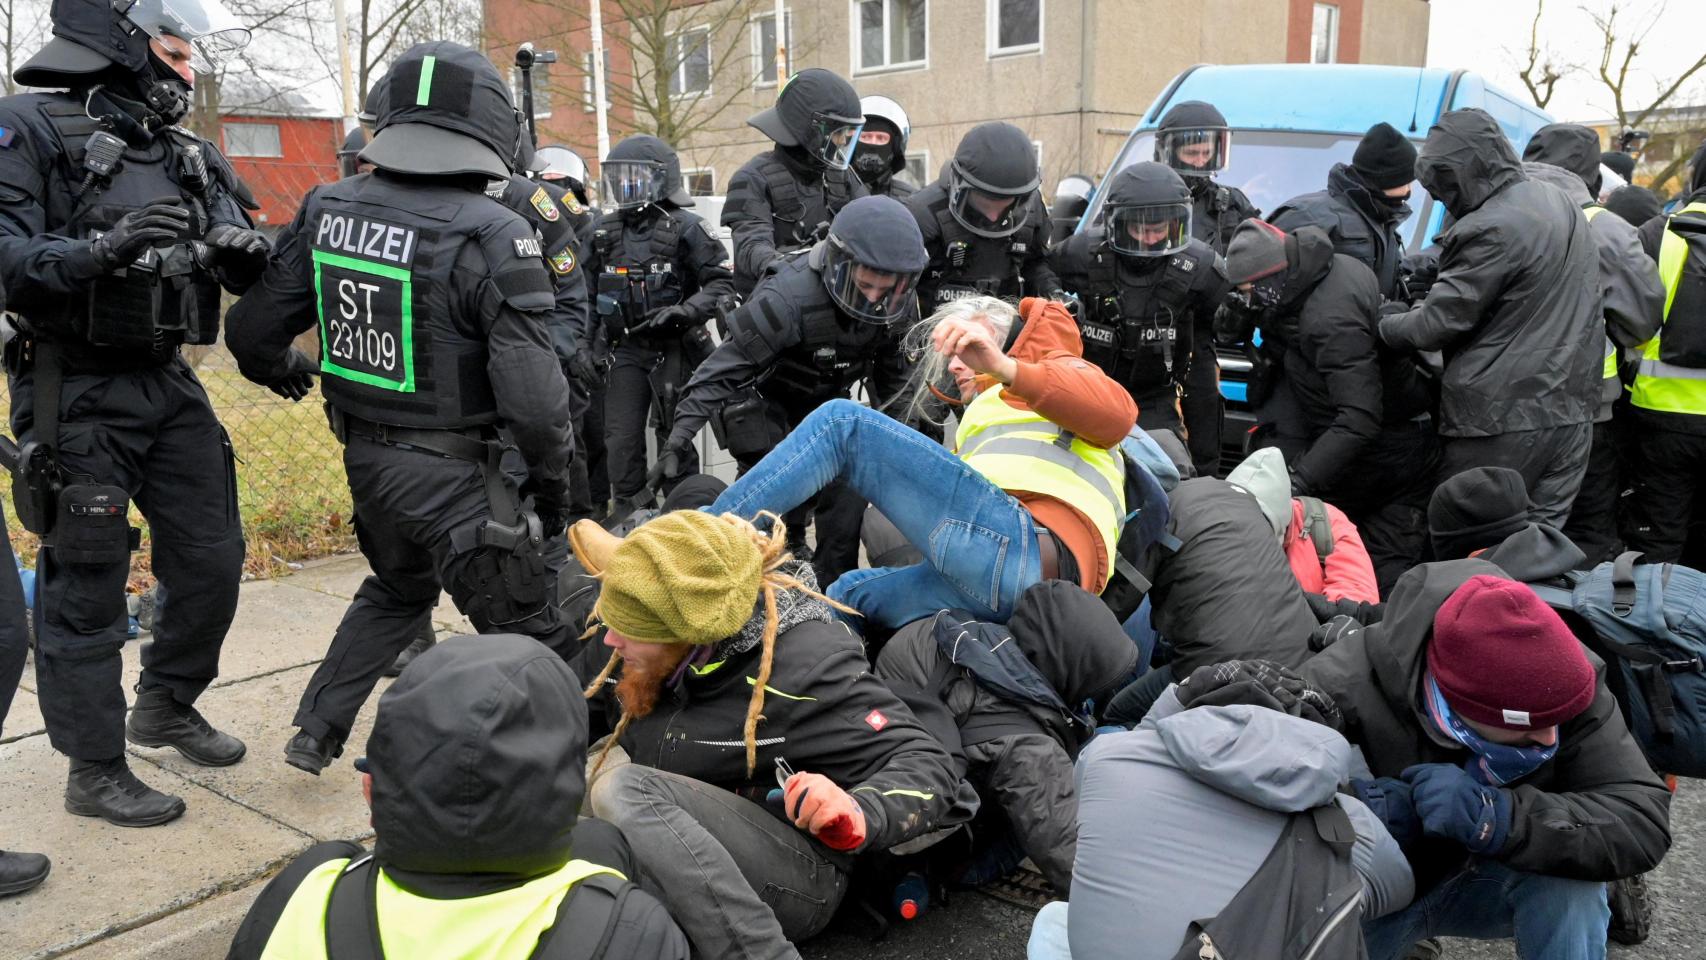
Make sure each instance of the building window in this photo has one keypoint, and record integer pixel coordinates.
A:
(252, 140)
(1037, 148)
(541, 88)
(764, 49)
(918, 168)
(891, 33)
(690, 69)
(1015, 26)
(700, 183)
(1324, 34)
(586, 80)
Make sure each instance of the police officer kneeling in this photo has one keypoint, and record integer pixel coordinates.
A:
(477, 849)
(431, 300)
(117, 230)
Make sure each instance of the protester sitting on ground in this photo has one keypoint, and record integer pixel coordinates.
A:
(1020, 741)
(1322, 545)
(737, 686)
(1225, 591)
(475, 771)
(1501, 764)
(1034, 492)
(1217, 769)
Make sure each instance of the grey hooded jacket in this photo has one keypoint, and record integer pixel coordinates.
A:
(1632, 298)
(1215, 786)
(1516, 308)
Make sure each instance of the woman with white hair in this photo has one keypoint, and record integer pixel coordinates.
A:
(1033, 489)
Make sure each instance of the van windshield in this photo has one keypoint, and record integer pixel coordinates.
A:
(1272, 166)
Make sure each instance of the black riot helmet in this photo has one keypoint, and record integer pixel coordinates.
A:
(640, 171)
(817, 112)
(872, 258)
(1193, 138)
(444, 110)
(1146, 211)
(991, 179)
(349, 155)
(90, 36)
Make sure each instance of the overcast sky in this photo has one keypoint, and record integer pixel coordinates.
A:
(1491, 36)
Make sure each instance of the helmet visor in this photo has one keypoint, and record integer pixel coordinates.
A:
(987, 214)
(1147, 230)
(834, 139)
(627, 184)
(213, 33)
(1194, 153)
(870, 294)
(560, 162)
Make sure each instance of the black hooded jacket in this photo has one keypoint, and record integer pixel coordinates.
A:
(1516, 308)
(1595, 811)
(1359, 225)
(1339, 386)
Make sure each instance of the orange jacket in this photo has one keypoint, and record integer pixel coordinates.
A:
(1055, 380)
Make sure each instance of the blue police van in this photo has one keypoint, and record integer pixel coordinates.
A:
(1291, 122)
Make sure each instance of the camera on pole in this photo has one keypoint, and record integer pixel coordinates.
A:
(525, 58)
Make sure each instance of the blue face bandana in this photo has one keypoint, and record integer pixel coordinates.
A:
(1494, 764)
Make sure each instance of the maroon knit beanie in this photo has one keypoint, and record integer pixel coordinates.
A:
(1503, 658)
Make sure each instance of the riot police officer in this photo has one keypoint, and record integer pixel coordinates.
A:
(882, 149)
(817, 326)
(432, 302)
(660, 273)
(1143, 285)
(555, 163)
(1194, 140)
(782, 200)
(117, 230)
(984, 223)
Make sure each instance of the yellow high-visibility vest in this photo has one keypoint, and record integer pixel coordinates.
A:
(1662, 386)
(1610, 371)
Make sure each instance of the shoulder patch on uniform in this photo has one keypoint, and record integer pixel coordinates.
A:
(528, 247)
(543, 203)
(7, 135)
(876, 721)
(1185, 263)
(562, 262)
(574, 205)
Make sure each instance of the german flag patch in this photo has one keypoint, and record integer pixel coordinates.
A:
(547, 207)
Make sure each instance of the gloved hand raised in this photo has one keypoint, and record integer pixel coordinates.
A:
(1452, 804)
(238, 247)
(160, 222)
(816, 805)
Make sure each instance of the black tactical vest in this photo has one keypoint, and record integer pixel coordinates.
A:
(167, 296)
(1136, 325)
(638, 269)
(396, 347)
(798, 210)
(833, 353)
(970, 265)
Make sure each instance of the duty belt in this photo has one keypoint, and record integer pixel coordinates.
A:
(473, 444)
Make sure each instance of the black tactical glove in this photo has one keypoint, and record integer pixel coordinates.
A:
(668, 321)
(583, 367)
(238, 248)
(550, 505)
(298, 381)
(162, 221)
(1332, 632)
(666, 469)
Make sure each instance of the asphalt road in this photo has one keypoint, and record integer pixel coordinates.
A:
(973, 926)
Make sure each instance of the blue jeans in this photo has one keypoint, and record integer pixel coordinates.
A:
(1551, 918)
(979, 542)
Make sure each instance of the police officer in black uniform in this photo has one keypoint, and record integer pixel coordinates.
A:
(881, 156)
(984, 223)
(1144, 286)
(1193, 139)
(117, 230)
(782, 200)
(817, 326)
(433, 305)
(659, 272)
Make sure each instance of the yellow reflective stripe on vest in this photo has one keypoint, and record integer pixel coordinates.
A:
(1663, 386)
(1609, 372)
(1021, 451)
(497, 926)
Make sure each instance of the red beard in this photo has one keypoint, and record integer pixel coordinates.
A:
(640, 686)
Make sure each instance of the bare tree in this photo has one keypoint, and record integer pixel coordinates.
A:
(1542, 70)
(23, 27)
(1620, 48)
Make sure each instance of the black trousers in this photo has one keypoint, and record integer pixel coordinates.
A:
(1552, 461)
(153, 433)
(589, 471)
(1670, 476)
(637, 375)
(1593, 516)
(1203, 408)
(409, 507)
(14, 638)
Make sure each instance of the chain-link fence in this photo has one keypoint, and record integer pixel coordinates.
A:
(290, 473)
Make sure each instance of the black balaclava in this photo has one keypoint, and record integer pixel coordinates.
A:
(873, 164)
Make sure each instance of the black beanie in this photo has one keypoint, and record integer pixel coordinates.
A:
(1385, 157)
(1476, 509)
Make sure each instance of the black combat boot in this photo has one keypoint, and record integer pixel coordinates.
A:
(159, 720)
(20, 872)
(312, 754)
(418, 646)
(107, 789)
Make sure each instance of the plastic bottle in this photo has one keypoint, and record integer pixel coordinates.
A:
(911, 896)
